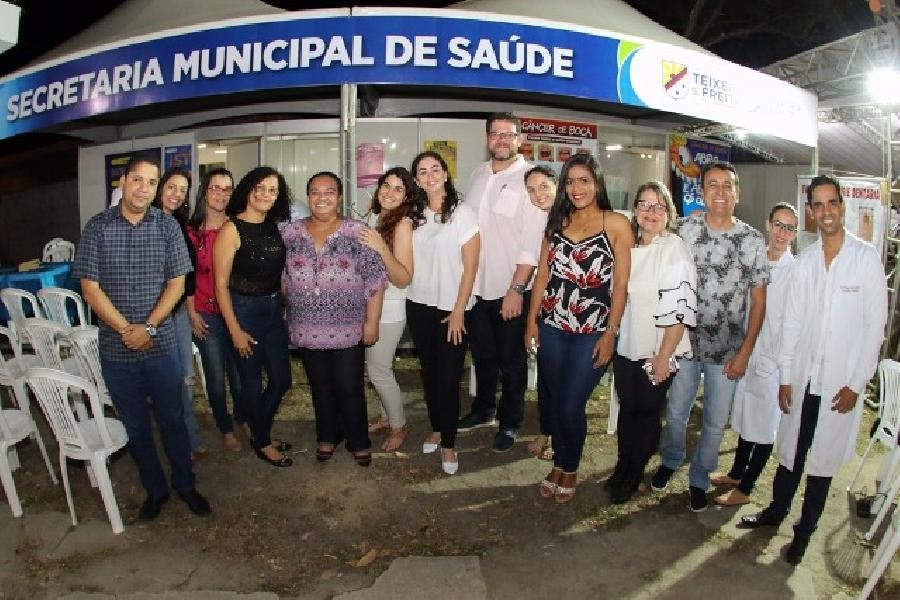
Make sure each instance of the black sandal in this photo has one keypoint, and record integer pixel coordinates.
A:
(322, 454)
(283, 446)
(363, 458)
(284, 461)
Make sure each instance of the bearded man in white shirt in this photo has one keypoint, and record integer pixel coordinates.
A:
(511, 232)
(832, 332)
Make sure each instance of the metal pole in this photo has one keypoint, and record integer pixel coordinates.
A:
(348, 147)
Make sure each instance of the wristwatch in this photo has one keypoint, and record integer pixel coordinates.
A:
(518, 288)
(151, 329)
(614, 329)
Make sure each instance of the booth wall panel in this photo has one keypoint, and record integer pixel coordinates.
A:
(764, 186)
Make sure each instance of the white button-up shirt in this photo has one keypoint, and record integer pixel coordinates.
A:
(511, 227)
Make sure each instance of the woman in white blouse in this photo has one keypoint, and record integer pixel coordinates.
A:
(445, 252)
(661, 303)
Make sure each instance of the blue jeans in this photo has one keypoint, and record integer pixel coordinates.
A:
(566, 363)
(186, 354)
(261, 317)
(718, 393)
(217, 356)
(130, 384)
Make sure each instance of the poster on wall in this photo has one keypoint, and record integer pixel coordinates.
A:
(551, 142)
(369, 163)
(865, 210)
(447, 150)
(686, 157)
(177, 156)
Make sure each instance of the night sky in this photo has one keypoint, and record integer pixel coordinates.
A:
(776, 30)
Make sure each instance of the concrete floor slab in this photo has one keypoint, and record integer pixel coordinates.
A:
(414, 578)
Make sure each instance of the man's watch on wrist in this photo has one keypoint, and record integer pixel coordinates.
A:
(151, 329)
(614, 329)
(518, 288)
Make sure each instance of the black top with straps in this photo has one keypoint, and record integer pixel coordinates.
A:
(259, 261)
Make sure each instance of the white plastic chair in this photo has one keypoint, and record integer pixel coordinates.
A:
(58, 250)
(47, 338)
(198, 365)
(91, 439)
(15, 300)
(884, 553)
(55, 301)
(889, 425)
(16, 424)
(86, 350)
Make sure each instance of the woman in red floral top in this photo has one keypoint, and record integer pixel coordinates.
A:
(576, 307)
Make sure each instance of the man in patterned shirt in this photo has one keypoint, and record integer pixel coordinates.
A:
(131, 261)
(731, 268)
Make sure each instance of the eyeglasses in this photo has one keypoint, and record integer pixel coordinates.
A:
(218, 189)
(506, 136)
(647, 206)
(261, 190)
(784, 226)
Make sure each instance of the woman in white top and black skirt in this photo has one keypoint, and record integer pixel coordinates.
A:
(662, 302)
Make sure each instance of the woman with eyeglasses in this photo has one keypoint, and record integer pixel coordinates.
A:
(171, 198)
(391, 223)
(334, 286)
(662, 303)
(755, 414)
(207, 325)
(248, 260)
(541, 184)
(576, 309)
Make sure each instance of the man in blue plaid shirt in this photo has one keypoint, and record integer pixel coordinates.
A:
(131, 261)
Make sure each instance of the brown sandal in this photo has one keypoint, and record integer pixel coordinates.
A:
(377, 425)
(547, 488)
(395, 439)
(565, 493)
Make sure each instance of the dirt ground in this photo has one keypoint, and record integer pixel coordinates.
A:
(315, 530)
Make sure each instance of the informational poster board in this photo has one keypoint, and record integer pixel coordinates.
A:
(865, 210)
(448, 151)
(177, 156)
(369, 163)
(686, 157)
(551, 142)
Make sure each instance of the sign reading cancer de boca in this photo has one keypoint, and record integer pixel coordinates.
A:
(445, 48)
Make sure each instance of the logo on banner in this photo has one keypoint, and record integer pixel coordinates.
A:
(675, 79)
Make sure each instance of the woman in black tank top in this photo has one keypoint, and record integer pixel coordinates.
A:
(248, 259)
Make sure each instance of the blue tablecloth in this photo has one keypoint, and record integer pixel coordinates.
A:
(47, 275)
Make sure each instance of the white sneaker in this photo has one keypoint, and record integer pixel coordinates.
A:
(450, 467)
(429, 448)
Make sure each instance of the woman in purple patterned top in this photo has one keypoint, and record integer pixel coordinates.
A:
(334, 287)
(577, 304)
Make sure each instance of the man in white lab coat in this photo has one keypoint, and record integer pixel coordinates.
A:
(832, 332)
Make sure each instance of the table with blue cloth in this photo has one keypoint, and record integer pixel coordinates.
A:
(57, 274)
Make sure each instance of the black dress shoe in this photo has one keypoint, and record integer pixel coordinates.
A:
(197, 503)
(284, 461)
(796, 550)
(764, 518)
(151, 507)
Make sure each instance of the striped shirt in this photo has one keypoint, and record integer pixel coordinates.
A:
(132, 264)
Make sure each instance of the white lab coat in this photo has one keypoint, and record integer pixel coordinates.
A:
(755, 413)
(853, 331)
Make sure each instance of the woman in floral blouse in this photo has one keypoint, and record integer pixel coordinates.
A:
(576, 307)
(334, 285)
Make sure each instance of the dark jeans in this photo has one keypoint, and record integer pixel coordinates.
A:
(261, 317)
(160, 380)
(336, 383)
(498, 350)
(749, 461)
(639, 425)
(787, 480)
(217, 356)
(543, 407)
(566, 360)
(441, 367)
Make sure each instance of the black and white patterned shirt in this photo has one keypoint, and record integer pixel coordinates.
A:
(729, 263)
(132, 264)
